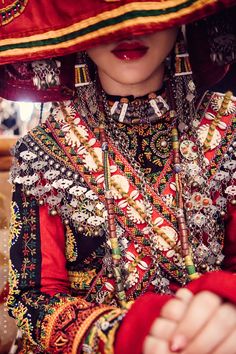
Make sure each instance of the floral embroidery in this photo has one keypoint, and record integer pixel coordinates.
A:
(72, 188)
(71, 247)
(16, 224)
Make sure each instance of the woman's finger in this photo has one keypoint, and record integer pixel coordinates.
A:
(214, 333)
(184, 295)
(153, 345)
(228, 346)
(200, 309)
(162, 329)
(174, 310)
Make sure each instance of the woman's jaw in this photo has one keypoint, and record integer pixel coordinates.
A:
(134, 66)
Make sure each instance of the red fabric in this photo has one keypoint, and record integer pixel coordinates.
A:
(230, 240)
(137, 323)
(54, 278)
(16, 82)
(220, 283)
(146, 309)
(43, 17)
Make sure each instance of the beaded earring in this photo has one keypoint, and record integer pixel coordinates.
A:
(184, 85)
(82, 76)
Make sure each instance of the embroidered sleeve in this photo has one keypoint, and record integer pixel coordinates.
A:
(51, 319)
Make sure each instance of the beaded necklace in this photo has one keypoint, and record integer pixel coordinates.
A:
(140, 110)
(185, 247)
(180, 215)
(103, 111)
(181, 98)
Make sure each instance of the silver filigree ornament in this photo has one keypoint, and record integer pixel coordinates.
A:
(46, 73)
(28, 155)
(51, 175)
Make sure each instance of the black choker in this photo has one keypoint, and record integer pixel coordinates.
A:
(140, 110)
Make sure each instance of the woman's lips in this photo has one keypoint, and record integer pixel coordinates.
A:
(130, 50)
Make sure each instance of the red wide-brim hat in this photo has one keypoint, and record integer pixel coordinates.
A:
(34, 29)
(39, 29)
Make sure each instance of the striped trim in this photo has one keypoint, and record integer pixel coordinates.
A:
(156, 14)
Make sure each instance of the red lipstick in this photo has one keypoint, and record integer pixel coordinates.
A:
(130, 50)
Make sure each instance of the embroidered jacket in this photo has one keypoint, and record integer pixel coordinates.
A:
(62, 290)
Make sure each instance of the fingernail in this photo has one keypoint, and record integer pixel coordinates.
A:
(178, 343)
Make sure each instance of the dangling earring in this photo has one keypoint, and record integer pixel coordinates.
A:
(82, 76)
(86, 86)
(185, 87)
(182, 64)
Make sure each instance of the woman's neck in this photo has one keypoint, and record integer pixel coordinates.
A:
(115, 88)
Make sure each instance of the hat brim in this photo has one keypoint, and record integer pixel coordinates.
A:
(57, 28)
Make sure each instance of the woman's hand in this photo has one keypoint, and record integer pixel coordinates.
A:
(163, 328)
(189, 324)
(207, 326)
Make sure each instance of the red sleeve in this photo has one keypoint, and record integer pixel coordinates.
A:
(54, 276)
(137, 322)
(230, 240)
(221, 283)
(146, 309)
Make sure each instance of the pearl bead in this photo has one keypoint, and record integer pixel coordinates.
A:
(53, 212)
(164, 143)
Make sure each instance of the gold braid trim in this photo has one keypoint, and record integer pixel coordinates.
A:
(86, 325)
(65, 325)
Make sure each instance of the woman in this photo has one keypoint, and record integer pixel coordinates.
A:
(128, 189)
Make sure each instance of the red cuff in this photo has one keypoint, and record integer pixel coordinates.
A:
(137, 322)
(221, 283)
